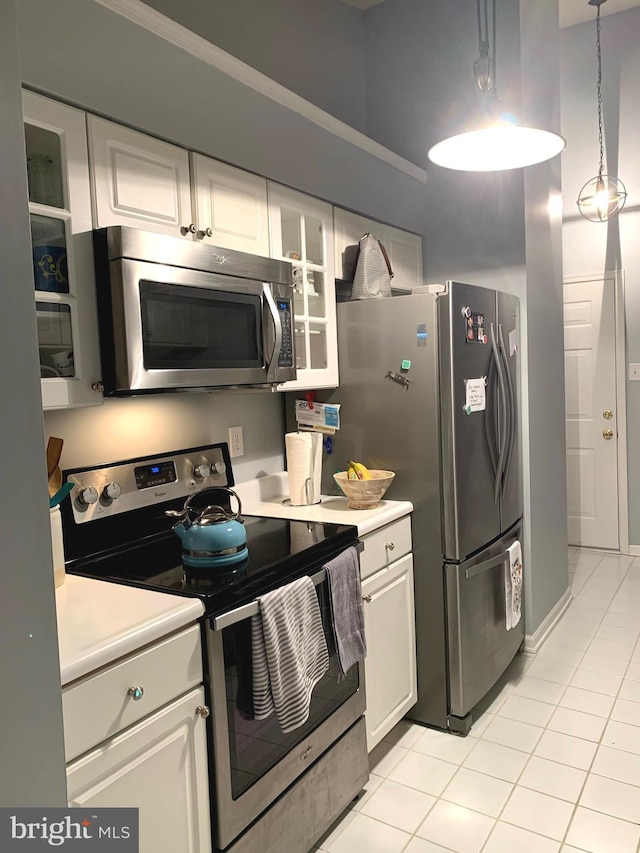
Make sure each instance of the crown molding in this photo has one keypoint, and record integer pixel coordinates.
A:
(154, 22)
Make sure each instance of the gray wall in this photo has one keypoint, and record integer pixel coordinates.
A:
(543, 329)
(589, 247)
(162, 90)
(316, 49)
(31, 747)
(124, 429)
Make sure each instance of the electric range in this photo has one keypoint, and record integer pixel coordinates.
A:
(115, 529)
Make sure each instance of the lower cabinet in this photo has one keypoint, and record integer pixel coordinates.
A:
(390, 665)
(158, 766)
(135, 737)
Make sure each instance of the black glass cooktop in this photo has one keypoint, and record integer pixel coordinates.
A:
(279, 551)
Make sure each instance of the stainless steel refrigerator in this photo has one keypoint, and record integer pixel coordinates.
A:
(429, 389)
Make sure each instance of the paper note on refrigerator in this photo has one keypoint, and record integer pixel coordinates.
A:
(320, 417)
(476, 398)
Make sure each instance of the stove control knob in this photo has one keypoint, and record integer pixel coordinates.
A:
(201, 471)
(218, 468)
(87, 496)
(111, 492)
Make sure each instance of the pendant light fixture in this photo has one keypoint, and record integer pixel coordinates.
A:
(604, 196)
(497, 142)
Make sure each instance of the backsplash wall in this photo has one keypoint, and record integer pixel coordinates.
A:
(130, 427)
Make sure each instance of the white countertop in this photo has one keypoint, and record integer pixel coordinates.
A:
(100, 621)
(265, 497)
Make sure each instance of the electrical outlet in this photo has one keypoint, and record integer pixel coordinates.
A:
(236, 441)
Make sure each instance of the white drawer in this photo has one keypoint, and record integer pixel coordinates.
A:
(98, 706)
(385, 545)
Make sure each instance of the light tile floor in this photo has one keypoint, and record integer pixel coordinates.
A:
(551, 764)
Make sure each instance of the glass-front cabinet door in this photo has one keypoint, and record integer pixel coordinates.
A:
(63, 280)
(301, 232)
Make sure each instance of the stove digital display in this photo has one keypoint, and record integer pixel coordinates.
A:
(158, 474)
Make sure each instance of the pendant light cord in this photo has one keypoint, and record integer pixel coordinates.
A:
(484, 45)
(600, 132)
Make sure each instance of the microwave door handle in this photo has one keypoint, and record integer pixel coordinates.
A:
(272, 365)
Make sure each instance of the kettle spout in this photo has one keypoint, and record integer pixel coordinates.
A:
(180, 529)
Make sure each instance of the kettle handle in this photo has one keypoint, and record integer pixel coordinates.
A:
(188, 508)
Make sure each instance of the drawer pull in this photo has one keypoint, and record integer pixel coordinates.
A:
(366, 598)
(390, 546)
(203, 711)
(135, 693)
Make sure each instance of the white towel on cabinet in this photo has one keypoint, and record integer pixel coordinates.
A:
(513, 585)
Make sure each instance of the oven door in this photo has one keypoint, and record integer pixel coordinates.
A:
(178, 328)
(254, 761)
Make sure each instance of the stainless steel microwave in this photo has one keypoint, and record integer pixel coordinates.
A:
(178, 315)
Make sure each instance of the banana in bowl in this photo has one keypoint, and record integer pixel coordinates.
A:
(364, 494)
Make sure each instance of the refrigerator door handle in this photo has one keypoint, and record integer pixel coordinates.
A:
(491, 419)
(474, 571)
(503, 415)
(511, 405)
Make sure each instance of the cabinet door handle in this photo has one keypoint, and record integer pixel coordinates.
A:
(366, 598)
(390, 546)
(207, 232)
(188, 229)
(203, 711)
(136, 693)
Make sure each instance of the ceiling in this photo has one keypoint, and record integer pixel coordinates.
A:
(571, 11)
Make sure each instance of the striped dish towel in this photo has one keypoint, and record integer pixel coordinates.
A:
(289, 653)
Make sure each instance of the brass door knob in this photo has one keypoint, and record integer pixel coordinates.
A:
(608, 434)
(607, 414)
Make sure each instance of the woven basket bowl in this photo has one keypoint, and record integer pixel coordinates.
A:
(365, 494)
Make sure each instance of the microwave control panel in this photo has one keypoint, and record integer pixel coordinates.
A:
(285, 359)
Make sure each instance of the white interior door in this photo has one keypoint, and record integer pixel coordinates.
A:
(591, 417)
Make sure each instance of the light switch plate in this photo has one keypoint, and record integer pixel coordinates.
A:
(236, 441)
(634, 372)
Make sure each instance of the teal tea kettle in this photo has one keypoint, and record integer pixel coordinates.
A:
(212, 537)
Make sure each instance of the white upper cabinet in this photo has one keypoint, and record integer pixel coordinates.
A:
(231, 206)
(301, 232)
(139, 181)
(405, 253)
(63, 279)
(403, 248)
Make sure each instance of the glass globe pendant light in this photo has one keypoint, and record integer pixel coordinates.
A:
(604, 196)
(498, 142)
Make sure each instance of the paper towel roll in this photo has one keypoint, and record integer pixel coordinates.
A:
(304, 467)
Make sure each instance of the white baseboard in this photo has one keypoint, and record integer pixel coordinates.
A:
(633, 550)
(532, 642)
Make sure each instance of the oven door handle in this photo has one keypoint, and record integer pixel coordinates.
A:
(231, 617)
(272, 366)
